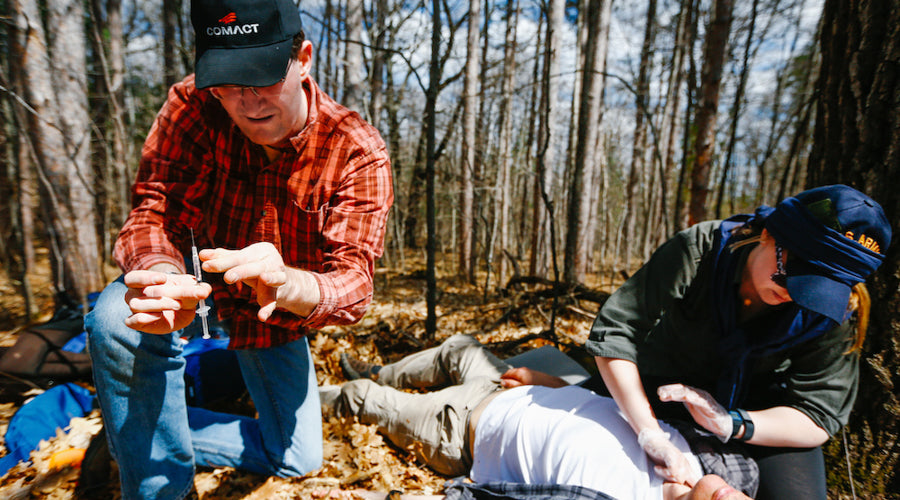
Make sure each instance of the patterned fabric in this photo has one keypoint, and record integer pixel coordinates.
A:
(323, 203)
(458, 490)
(727, 460)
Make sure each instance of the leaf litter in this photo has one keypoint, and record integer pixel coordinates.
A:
(356, 456)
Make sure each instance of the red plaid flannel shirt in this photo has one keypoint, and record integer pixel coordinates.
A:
(323, 204)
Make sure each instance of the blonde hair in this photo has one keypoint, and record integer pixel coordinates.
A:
(859, 302)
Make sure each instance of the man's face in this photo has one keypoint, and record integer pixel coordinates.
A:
(278, 111)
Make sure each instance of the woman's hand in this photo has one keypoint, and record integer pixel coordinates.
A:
(671, 464)
(703, 407)
(162, 303)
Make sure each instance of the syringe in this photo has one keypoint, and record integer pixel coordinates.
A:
(202, 308)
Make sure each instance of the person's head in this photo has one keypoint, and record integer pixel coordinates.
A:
(834, 237)
(252, 55)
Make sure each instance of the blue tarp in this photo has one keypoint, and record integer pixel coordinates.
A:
(40, 417)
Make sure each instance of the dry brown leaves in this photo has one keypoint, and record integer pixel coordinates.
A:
(356, 456)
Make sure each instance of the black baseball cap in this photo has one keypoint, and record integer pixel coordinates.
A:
(243, 42)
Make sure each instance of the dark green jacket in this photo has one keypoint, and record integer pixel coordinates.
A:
(662, 318)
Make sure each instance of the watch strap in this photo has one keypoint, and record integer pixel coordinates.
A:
(749, 428)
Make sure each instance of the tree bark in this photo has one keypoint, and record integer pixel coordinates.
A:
(353, 79)
(470, 119)
(639, 142)
(589, 116)
(504, 191)
(714, 53)
(547, 134)
(856, 141)
(58, 129)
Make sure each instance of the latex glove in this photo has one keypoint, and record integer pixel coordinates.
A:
(703, 407)
(671, 464)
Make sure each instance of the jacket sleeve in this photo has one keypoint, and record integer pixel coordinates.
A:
(632, 311)
(821, 379)
(169, 184)
(353, 240)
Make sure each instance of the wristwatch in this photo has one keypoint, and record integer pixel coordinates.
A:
(740, 417)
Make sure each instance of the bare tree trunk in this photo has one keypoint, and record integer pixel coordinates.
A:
(110, 52)
(714, 53)
(378, 62)
(434, 81)
(170, 14)
(326, 63)
(736, 110)
(470, 112)
(18, 252)
(580, 44)
(670, 122)
(638, 151)
(547, 134)
(589, 116)
(59, 135)
(857, 142)
(353, 79)
(504, 195)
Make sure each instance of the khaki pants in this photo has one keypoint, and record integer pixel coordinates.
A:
(432, 425)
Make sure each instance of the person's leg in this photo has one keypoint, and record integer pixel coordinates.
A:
(140, 387)
(431, 425)
(286, 439)
(456, 360)
(790, 473)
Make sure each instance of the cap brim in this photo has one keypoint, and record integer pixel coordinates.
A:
(819, 294)
(246, 66)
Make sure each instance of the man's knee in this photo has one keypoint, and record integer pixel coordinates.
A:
(299, 462)
(353, 397)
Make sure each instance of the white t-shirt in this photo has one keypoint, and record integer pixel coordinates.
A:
(540, 435)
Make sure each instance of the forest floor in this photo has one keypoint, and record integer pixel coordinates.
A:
(356, 456)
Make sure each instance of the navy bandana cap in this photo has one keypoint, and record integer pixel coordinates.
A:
(835, 255)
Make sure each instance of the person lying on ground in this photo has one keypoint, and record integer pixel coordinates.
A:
(485, 421)
(709, 487)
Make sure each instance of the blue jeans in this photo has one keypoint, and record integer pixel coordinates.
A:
(156, 438)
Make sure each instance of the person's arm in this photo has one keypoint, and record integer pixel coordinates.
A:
(777, 426)
(353, 235)
(170, 185)
(624, 384)
(622, 325)
(785, 427)
(623, 381)
(516, 377)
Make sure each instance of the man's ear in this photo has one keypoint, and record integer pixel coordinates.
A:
(304, 59)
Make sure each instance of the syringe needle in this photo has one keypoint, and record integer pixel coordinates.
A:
(202, 308)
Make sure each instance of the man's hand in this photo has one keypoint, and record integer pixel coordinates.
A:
(671, 464)
(515, 377)
(262, 268)
(703, 407)
(162, 303)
